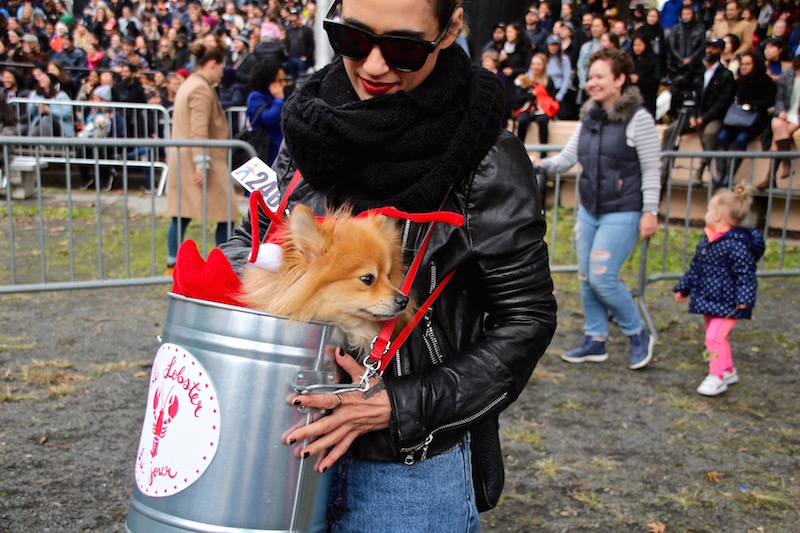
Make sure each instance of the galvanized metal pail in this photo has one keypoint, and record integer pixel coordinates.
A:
(211, 456)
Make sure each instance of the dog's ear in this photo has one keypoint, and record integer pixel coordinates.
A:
(306, 235)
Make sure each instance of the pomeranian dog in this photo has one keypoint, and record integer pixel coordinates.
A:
(343, 270)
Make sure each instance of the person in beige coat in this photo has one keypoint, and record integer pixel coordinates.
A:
(733, 23)
(199, 115)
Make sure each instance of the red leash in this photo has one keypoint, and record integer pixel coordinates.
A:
(382, 349)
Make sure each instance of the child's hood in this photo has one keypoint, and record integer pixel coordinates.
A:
(751, 237)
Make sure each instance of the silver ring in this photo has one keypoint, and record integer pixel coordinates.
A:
(340, 401)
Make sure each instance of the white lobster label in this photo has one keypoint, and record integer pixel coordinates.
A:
(181, 430)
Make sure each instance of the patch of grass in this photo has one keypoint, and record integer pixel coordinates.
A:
(668, 252)
(109, 368)
(687, 499)
(44, 373)
(588, 498)
(571, 404)
(16, 344)
(549, 468)
(604, 463)
(547, 376)
(31, 380)
(769, 501)
(523, 433)
(95, 236)
(7, 395)
(689, 404)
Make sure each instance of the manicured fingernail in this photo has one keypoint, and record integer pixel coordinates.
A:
(305, 455)
(292, 441)
(296, 401)
(340, 352)
(324, 469)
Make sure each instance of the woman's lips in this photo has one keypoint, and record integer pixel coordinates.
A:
(375, 88)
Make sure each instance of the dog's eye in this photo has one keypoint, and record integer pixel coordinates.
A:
(368, 280)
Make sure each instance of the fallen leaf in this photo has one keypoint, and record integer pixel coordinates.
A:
(141, 374)
(713, 476)
(656, 527)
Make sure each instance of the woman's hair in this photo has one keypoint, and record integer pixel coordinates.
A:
(8, 117)
(619, 61)
(648, 46)
(51, 91)
(264, 73)
(63, 74)
(521, 35)
(494, 56)
(165, 54)
(613, 38)
(543, 78)
(735, 41)
(203, 54)
(734, 204)
(443, 9)
(759, 67)
(18, 79)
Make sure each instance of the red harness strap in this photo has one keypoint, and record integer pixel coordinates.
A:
(382, 349)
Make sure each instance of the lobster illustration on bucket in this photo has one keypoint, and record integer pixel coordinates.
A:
(163, 420)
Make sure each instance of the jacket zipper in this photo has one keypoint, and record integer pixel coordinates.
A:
(398, 366)
(410, 451)
(431, 342)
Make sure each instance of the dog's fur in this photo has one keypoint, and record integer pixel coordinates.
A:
(343, 270)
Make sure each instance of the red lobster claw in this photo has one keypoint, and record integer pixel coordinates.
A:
(173, 407)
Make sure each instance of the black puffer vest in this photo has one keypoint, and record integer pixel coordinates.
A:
(610, 179)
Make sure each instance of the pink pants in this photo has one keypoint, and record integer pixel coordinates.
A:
(719, 349)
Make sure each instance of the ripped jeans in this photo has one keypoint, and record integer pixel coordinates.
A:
(603, 244)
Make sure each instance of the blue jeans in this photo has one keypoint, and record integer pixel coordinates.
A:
(431, 495)
(295, 67)
(172, 237)
(603, 243)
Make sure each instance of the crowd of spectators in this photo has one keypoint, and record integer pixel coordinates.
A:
(676, 52)
(139, 49)
(66, 49)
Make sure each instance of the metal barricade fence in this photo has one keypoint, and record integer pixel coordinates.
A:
(665, 256)
(81, 119)
(68, 239)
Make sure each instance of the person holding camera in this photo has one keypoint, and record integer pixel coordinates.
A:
(714, 91)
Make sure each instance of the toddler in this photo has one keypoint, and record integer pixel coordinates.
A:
(722, 281)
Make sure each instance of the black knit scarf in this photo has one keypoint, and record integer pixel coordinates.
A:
(403, 150)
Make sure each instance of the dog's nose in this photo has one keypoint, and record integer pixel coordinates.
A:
(401, 300)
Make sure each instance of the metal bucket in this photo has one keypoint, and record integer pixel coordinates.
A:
(211, 457)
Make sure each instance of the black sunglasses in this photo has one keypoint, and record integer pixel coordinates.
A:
(405, 54)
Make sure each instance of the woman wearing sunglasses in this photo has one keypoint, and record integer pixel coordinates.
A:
(404, 120)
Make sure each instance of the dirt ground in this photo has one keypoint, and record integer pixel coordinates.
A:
(587, 447)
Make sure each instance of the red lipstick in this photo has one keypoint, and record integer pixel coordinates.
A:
(376, 88)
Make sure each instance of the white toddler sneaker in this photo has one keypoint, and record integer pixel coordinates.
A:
(730, 377)
(712, 386)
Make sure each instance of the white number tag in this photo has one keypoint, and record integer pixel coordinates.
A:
(255, 175)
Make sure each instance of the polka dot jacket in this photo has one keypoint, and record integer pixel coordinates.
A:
(722, 274)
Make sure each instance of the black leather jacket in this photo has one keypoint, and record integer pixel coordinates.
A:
(476, 347)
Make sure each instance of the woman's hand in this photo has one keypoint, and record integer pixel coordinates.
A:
(197, 178)
(333, 434)
(679, 297)
(648, 224)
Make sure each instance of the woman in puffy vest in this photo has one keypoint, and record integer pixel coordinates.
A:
(618, 148)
